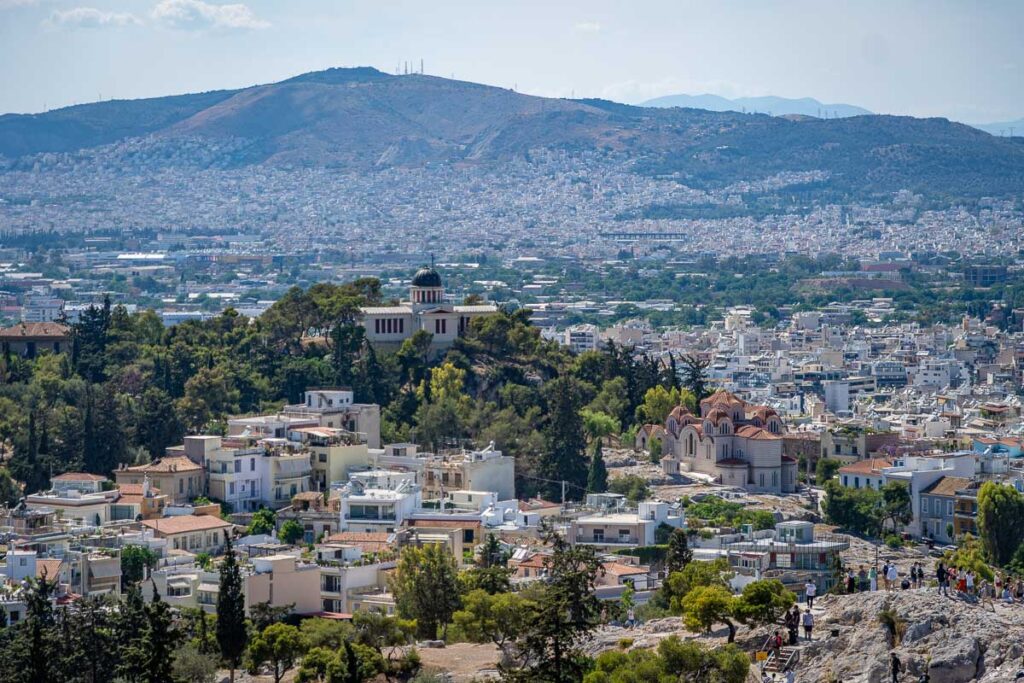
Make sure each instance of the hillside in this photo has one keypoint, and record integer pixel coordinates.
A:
(778, 106)
(359, 119)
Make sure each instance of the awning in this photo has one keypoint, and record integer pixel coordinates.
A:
(107, 570)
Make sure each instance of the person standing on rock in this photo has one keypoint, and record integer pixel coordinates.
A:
(969, 582)
(851, 582)
(810, 590)
(891, 577)
(940, 575)
(873, 578)
(885, 575)
(896, 666)
(808, 622)
(913, 575)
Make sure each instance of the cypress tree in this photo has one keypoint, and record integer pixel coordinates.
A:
(232, 636)
(564, 459)
(679, 554)
(159, 642)
(597, 477)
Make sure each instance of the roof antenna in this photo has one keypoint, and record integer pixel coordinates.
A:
(431, 261)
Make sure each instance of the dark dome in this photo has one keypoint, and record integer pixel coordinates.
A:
(426, 277)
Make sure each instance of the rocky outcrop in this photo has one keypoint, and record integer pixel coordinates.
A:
(954, 640)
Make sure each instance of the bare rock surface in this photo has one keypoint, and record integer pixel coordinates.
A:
(955, 640)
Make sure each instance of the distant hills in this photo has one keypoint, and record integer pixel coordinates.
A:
(1003, 128)
(776, 106)
(363, 119)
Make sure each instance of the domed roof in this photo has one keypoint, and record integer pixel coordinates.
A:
(426, 277)
(716, 415)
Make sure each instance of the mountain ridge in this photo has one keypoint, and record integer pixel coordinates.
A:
(363, 119)
(777, 106)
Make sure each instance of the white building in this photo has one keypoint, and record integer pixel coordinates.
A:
(623, 529)
(580, 338)
(427, 310)
(378, 500)
(336, 408)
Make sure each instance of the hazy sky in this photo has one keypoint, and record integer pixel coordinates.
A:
(963, 60)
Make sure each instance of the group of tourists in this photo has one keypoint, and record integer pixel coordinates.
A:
(966, 583)
(793, 620)
(866, 579)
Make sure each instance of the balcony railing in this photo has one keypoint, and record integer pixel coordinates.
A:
(607, 540)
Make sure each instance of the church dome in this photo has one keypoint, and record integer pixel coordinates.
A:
(426, 277)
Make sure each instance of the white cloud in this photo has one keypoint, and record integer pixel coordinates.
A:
(196, 14)
(90, 17)
(587, 27)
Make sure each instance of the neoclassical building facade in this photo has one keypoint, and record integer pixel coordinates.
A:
(426, 309)
(737, 443)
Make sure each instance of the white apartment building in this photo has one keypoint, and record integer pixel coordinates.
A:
(378, 500)
(248, 473)
(281, 580)
(617, 528)
(580, 338)
(335, 408)
(486, 469)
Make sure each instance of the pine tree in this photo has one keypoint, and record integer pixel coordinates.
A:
(567, 612)
(232, 636)
(597, 477)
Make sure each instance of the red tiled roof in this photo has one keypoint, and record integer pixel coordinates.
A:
(752, 432)
(177, 463)
(52, 568)
(870, 466)
(445, 523)
(367, 542)
(620, 569)
(947, 486)
(35, 330)
(186, 523)
(78, 476)
(135, 489)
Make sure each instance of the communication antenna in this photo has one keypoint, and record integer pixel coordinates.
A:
(421, 66)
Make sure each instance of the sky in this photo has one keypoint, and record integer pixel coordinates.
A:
(963, 60)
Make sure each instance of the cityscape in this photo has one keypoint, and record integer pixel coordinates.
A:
(365, 374)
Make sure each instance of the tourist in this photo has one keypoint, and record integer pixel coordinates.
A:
(896, 666)
(790, 675)
(862, 580)
(940, 575)
(1007, 595)
(1018, 590)
(810, 590)
(885, 575)
(808, 622)
(891, 576)
(792, 621)
(920, 575)
(913, 575)
(961, 582)
(851, 582)
(969, 582)
(873, 578)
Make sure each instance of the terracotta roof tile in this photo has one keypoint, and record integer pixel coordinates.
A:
(186, 523)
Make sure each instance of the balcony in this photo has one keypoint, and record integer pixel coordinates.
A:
(607, 540)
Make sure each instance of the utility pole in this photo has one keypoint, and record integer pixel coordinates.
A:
(563, 495)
